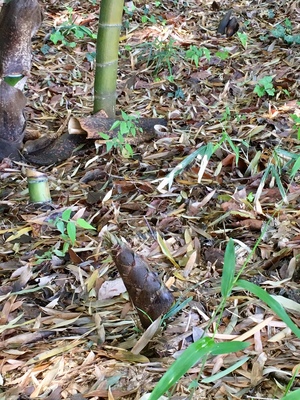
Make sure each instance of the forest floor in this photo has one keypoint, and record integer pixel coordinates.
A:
(67, 325)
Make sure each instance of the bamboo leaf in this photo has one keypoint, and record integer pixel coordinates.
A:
(272, 303)
(228, 269)
(227, 371)
(184, 362)
(229, 347)
(84, 224)
(71, 229)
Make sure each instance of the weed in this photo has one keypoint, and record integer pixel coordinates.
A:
(194, 53)
(69, 28)
(125, 127)
(284, 32)
(243, 39)
(226, 114)
(206, 347)
(296, 126)
(222, 54)
(68, 232)
(147, 17)
(264, 86)
(161, 55)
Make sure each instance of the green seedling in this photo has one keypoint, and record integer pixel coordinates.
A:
(243, 39)
(60, 34)
(127, 127)
(265, 86)
(160, 55)
(68, 230)
(226, 115)
(250, 197)
(296, 126)
(151, 18)
(194, 54)
(222, 54)
(284, 32)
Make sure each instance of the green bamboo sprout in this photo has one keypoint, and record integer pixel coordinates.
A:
(110, 22)
(38, 186)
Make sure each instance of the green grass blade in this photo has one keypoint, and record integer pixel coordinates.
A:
(228, 269)
(292, 396)
(272, 303)
(227, 371)
(178, 306)
(184, 362)
(295, 168)
(279, 185)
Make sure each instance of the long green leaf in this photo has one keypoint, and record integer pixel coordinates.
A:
(227, 371)
(271, 302)
(229, 347)
(228, 269)
(292, 396)
(295, 168)
(71, 229)
(279, 184)
(184, 362)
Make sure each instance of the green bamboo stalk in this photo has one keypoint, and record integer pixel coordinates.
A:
(110, 22)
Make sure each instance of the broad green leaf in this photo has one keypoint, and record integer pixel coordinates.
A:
(124, 115)
(184, 362)
(84, 224)
(71, 230)
(115, 125)
(60, 226)
(228, 269)
(272, 303)
(104, 136)
(109, 145)
(66, 214)
(124, 128)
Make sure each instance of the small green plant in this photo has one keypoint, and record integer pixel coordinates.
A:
(69, 28)
(147, 17)
(264, 86)
(125, 128)
(194, 53)
(222, 54)
(243, 39)
(68, 230)
(284, 32)
(296, 126)
(250, 197)
(226, 115)
(161, 55)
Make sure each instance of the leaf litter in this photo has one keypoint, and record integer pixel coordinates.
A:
(226, 168)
